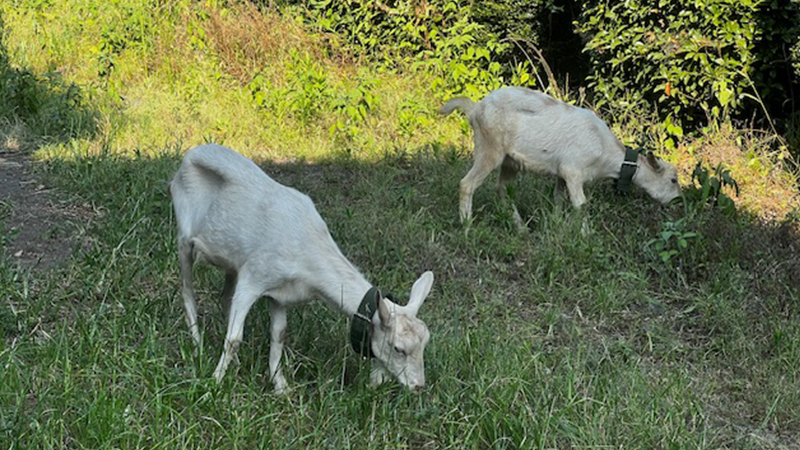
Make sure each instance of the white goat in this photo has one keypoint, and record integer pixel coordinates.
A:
(516, 127)
(272, 242)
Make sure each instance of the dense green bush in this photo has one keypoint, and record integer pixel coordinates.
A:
(392, 31)
(688, 58)
(439, 36)
(692, 60)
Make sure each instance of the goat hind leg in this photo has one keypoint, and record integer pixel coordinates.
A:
(186, 259)
(508, 171)
(575, 188)
(244, 297)
(485, 163)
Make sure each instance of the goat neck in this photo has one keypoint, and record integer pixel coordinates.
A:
(342, 285)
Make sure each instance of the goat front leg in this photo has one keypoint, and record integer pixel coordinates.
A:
(575, 188)
(243, 299)
(378, 375)
(277, 332)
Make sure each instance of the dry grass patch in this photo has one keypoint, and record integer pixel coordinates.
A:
(758, 161)
(247, 40)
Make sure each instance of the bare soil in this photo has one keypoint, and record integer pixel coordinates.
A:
(39, 228)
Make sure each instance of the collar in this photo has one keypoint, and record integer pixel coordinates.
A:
(627, 170)
(361, 324)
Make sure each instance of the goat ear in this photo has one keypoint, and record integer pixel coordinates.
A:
(419, 292)
(384, 313)
(653, 161)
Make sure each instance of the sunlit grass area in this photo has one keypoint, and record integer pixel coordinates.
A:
(253, 81)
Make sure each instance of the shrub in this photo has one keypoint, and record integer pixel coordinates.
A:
(692, 60)
(688, 58)
(306, 95)
(439, 36)
(707, 188)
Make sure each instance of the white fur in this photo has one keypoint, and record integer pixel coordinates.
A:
(516, 128)
(272, 243)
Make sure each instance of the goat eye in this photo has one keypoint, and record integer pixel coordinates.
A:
(675, 180)
(400, 351)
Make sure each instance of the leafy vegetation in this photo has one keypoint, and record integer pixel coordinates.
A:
(53, 107)
(711, 188)
(439, 36)
(624, 325)
(695, 62)
(689, 58)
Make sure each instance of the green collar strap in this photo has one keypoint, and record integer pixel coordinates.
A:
(361, 324)
(627, 170)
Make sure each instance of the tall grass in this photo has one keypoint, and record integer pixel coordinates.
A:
(255, 81)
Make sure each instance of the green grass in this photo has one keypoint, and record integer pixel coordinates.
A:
(544, 340)
(574, 335)
(193, 73)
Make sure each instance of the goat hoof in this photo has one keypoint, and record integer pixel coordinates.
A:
(281, 388)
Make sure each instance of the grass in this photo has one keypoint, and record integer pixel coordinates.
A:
(574, 335)
(198, 73)
(539, 341)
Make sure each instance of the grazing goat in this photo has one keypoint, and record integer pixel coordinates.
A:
(271, 241)
(518, 128)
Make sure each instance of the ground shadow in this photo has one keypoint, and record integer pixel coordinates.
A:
(396, 217)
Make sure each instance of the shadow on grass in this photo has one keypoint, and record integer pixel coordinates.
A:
(397, 216)
(36, 109)
(582, 291)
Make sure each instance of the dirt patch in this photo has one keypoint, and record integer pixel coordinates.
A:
(38, 228)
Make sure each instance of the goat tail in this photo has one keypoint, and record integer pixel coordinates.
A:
(462, 104)
(217, 164)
